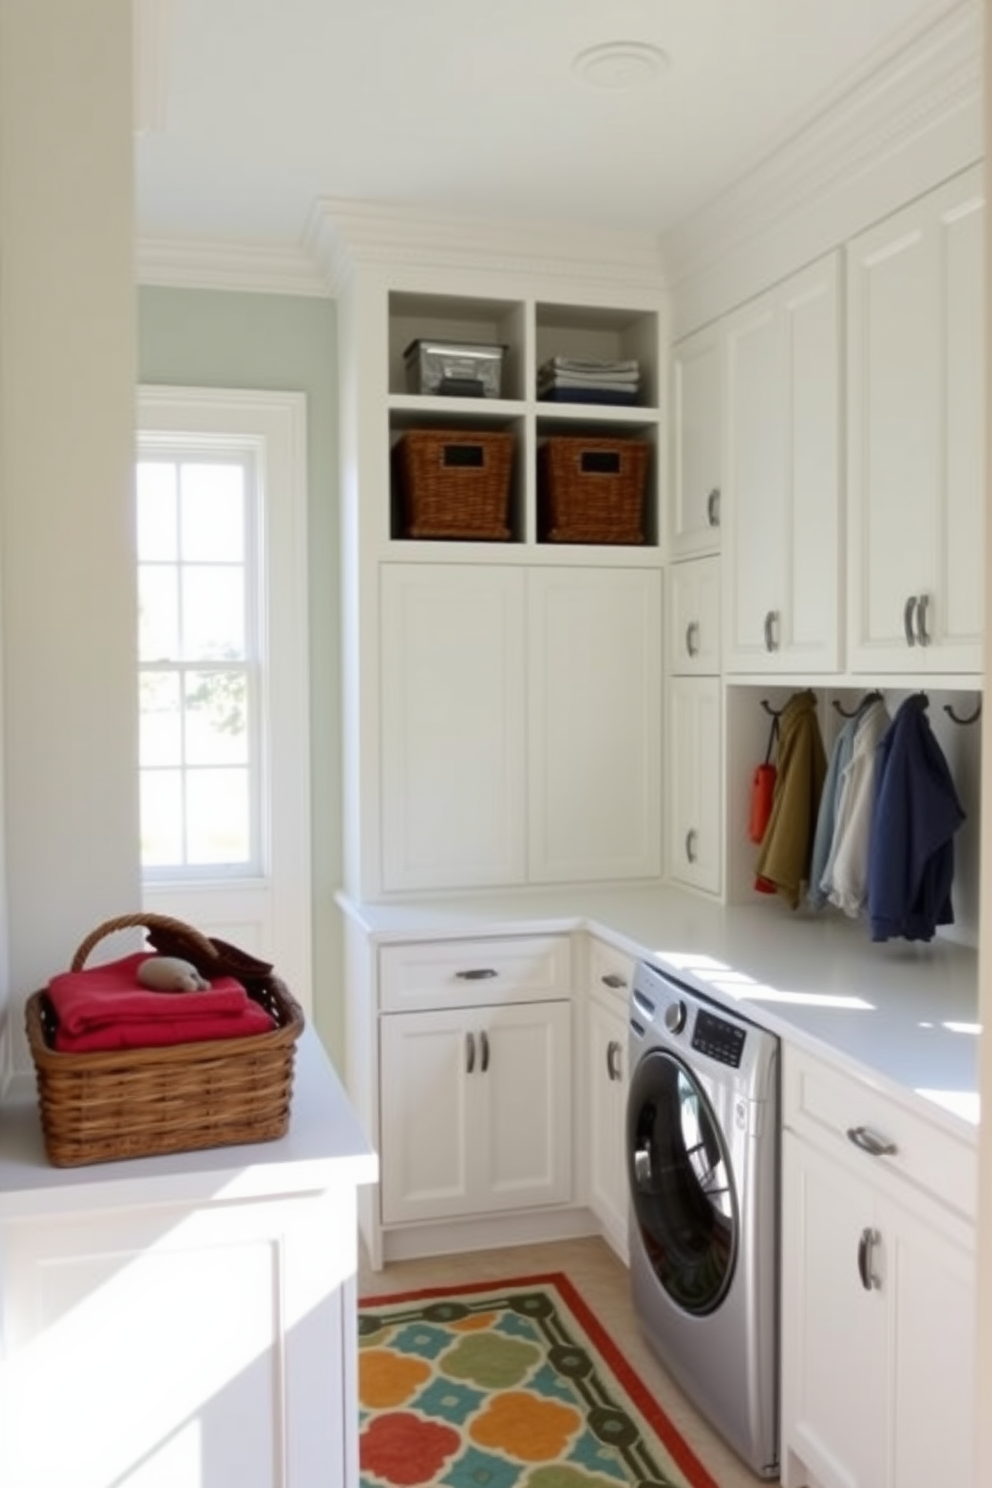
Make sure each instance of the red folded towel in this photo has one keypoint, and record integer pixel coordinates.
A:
(105, 1007)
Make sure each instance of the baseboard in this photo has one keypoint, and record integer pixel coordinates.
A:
(487, 1232)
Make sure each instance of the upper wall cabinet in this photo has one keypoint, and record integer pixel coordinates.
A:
(693, 520)
(782, 441)
(916, 420)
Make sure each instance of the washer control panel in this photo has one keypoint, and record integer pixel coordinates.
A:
(717, 1039)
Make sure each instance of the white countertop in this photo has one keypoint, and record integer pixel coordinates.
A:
(324, 1148)
(904, 1014)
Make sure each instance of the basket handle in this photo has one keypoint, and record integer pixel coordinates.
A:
(198, 943)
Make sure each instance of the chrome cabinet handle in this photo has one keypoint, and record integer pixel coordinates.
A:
(613, 979)
(469, 1053)
(907, 620)
(476, 974)
(713, 507)
(871, 1142)
(692, 638)
(613, 1069)
(484, 1040)
(691, 839)
(771, 618)
(866, 1245)
(922, 634)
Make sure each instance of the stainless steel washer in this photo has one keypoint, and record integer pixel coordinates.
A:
(703, 1164)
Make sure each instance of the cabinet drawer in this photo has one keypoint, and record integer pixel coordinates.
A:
(610, 972)
(464, 973)
(826, 1105)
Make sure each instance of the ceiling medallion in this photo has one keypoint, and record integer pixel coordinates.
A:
(620, 64)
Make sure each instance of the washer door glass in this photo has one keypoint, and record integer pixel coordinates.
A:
(681, 1183)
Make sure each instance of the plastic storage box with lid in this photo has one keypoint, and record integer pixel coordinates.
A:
(460, 369)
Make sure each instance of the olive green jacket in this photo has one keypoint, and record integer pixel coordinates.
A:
(787, 846)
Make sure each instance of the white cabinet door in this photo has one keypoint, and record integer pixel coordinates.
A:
(696, 470)
(520, 725)
(782, 462)
(693, 617)
(606, 1096)
(452, 725)
(916, 421)
(694, 810)
(594, 780)
(475, 1108)
(188, 1346)
(878, 1333)
(833, 1345)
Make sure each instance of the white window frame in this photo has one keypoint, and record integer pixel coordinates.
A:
(270, 913)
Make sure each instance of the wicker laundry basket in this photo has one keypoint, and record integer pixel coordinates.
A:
(105, 1106)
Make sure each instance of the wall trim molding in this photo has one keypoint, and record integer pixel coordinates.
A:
(214, 263)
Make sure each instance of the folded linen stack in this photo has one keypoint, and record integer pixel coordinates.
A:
(105, 1007)
(564, 379)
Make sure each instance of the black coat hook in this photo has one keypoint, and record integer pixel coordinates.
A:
(972, 717)
(869, 697)
(772, 712)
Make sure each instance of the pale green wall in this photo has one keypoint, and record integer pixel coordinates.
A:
(207, 338)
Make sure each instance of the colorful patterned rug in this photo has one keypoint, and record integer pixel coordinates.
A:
(508, 1386)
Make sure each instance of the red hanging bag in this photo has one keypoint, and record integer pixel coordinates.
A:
(763, 790)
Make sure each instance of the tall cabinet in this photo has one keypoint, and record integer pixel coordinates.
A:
(503, 695)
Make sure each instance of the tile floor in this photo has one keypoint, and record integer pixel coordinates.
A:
(602, 1281)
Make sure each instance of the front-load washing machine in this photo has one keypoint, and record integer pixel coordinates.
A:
(703, 1163)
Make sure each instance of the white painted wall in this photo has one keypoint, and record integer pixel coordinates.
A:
(67, 333)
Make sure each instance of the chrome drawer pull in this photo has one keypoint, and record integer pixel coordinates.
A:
(613, 979)
(477, 974)
(869, 1142)
(691, 839)
(613, 1060)
(485, 1051)
(469, 1053)
(869, 1239)
(692, 638)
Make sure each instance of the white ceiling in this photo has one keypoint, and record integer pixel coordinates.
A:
(264, 106)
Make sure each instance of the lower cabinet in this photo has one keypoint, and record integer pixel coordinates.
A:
(606, 1098)
(878, 1299)
(609, 982)
(475, 1110)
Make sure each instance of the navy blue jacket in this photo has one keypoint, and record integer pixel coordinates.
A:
(915, 816)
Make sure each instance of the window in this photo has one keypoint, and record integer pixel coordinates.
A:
(223, 675)
(199, 645)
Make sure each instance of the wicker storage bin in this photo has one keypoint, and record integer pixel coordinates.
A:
(105, 1106)
(592, 490)
(454, 483)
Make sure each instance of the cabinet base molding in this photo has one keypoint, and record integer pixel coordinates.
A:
(488, 1232)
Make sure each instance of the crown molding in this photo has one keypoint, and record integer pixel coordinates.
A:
(894, 103)
(345, 235)
(253, 268)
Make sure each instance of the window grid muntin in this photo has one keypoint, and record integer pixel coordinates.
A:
(179, 452)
